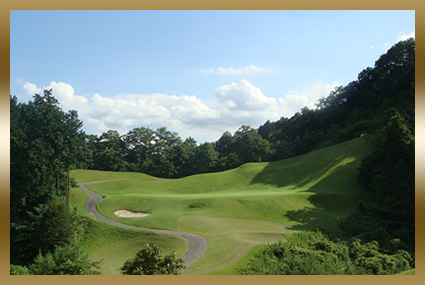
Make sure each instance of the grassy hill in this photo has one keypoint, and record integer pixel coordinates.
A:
(238, 209)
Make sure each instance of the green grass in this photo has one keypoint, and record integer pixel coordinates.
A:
(251, 205)
(115, 254)
(234, 268)
(113, 245)
(408, 272)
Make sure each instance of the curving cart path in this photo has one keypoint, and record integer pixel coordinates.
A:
(197, 244)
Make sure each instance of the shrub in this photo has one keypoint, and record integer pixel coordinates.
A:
(66, 260)
(312, 253)
(149, 261)
(18, 270)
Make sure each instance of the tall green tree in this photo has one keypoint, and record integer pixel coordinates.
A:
(139, 148)
(35, 145)
(250, 146)
(206, 158)
(109, 152)
(388, 174)
(44, 142)
(163, 153)
(74, 145)
(184, 155)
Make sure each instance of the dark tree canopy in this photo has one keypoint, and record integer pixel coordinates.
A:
(44, 143)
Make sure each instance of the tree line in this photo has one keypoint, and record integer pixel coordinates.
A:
(348, 112)
(163, 153)
(45, 142)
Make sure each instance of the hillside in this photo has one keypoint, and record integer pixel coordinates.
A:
(243, 207)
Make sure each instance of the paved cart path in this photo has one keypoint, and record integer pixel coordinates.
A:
(197, 244)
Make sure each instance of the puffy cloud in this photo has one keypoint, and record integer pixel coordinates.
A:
(31, 89)
(247, 70)
(66, 95)
(243, 103)
(231, 106)
(403, 37)
(62, 91)
(125, 112)
(296, 100)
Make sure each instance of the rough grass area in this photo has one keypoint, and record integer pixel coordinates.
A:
(239, 209)
(234, 268)
(408, 272)
(113, 245)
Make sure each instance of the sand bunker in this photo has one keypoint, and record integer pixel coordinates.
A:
(130, 214)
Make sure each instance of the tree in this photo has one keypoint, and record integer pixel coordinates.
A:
(206, 158)
(183, 157)
(35, 147)
(109, 152)
(36, 132)
(74, 145)
(52, 225)
(163, 153)
(388, 175)
(149, 261)
(65, 260)
(45, 142)
(250, 146)
(226, 148)
(389, 171)
(139, 148)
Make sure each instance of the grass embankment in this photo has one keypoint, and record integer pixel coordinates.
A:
(241, 208)
(408, 272)
(113, 245)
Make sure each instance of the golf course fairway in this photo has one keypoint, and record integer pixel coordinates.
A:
(235, 210)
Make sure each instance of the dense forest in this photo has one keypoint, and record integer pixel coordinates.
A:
(47, 142)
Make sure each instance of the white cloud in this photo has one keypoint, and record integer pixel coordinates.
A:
(31, 89)
(231, 106)
(247, 70)
(295, 100)
(403, 37)
(244, 102)
(125, 112)
(67, 95)
(62, 91)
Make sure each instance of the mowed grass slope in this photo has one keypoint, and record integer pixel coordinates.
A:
(114, 245)
(238, 209)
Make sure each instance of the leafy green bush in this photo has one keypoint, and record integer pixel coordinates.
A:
(368, 257)
(18, 270)
(312, 253)
(149, 261)
(53, 225)
(66, 260)
(45, 227)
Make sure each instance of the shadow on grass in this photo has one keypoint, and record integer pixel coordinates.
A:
(330, 175)
(296, 172)
(329, 204)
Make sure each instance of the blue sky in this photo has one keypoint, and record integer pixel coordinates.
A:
(198, 73)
